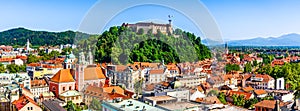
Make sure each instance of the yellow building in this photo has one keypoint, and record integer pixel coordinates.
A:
(39, 72)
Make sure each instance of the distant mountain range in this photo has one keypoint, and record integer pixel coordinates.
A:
(284, 40)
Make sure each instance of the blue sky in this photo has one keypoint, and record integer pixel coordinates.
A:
(237, 19)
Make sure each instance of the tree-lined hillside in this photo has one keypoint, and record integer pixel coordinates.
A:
(122, 45)
(19, 36)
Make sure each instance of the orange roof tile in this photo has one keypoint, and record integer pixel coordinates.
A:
(270, 104)
(248, 89)
(22, 101)
(156, 71)
(63, 75)
(6, 59)
(117, 89)
(260, 92)
(37, 82)
(92, 73)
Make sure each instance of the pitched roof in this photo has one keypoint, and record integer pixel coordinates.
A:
(53, 106)
(209, 100)
(92, 73)
(38, 82)
(156, 71)
(248, 89)
(270, 104)
(260, 92)
(22, 101)
(266, 78)
(63, 75)
(117, 89)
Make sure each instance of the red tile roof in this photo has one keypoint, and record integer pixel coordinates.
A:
(63, 75)
(260, 92)
(270, 104)
(22, 101)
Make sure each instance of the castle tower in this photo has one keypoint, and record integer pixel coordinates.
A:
(169, 28)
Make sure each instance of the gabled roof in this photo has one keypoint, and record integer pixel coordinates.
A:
(92, 73)
(22, 101)
(63, 75)
(117, 89)
(260, 92)
(270, 104)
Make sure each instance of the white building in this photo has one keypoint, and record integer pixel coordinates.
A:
(156, 75)
(191, 80)
(15, 78)
(182, 95)
(39, 87)
(280, 83)
(261, 81)
(18, 62)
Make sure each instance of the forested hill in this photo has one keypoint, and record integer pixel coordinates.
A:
(19, 36)
(122, 45)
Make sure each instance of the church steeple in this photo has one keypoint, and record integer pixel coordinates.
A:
(90, 56)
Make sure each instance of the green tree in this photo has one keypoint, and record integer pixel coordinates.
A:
(248, 68)
(2, 68)
(222, 98)
(255, 64)
(140, 31)
(238, 100)
(250, 103)
(138, 87)
(12, 68)
(71, 106)
(232, 67)
(32, 59)
(95, 105)
(212, 93)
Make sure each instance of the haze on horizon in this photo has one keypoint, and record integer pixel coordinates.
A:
(236, 19)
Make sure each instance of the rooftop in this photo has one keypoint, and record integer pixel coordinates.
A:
(178, 105)
(70, 93)
(269, 104)
(130, 105)
(63, 75)
(160, 98)
(52, 105)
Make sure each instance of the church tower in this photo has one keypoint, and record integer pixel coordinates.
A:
(69, 61)
(90, 56)
(79, 75)
(27, 45)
